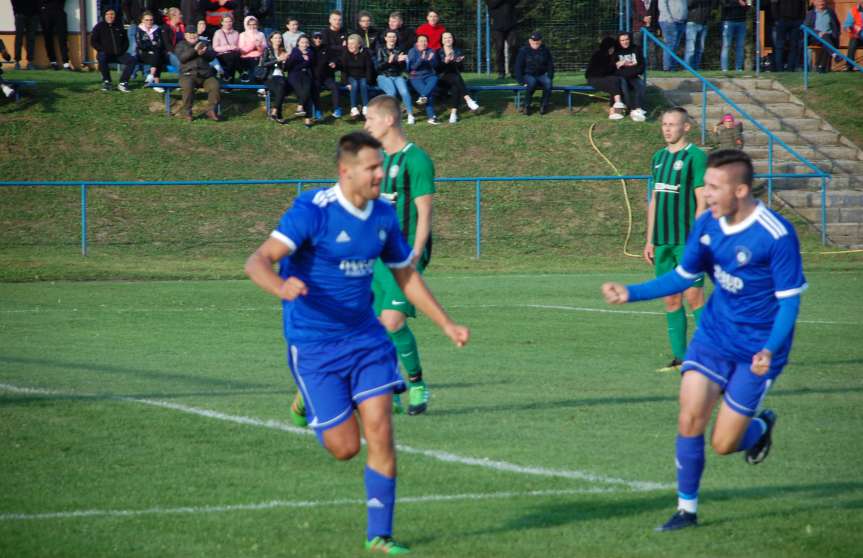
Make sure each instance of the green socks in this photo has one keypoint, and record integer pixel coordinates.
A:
(406, 347)
(676, 332)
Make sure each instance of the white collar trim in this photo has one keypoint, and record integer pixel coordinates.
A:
(361, 214)
(742, 225)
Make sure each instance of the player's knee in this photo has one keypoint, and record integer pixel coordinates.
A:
(723, 445)
(673, 303)
(690, 424)
(393, 321)
(344, 451)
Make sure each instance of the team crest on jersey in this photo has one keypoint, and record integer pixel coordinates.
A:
(394, 171)
(742, 255)
(705, 239)
(677, 165)
(382, 235)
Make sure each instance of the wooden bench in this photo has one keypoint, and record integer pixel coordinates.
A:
(168, 87)
(570, 90)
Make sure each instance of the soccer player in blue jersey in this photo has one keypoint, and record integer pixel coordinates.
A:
(339, 354)
(742, 342)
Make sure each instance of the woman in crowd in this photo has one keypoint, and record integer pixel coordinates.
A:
(173, 32)
(275, 59)
(301, 68)
(226, 43)
(252, 44)
(602, 75)
(356, 66)
(326, 63)
(150, 49)
(630, 67)
(390, 64)
(449, 67)
(422, 64)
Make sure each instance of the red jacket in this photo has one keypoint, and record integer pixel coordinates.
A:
(433, 32)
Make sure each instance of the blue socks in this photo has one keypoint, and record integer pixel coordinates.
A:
(690, 465)
(380, 503)
(756, 429)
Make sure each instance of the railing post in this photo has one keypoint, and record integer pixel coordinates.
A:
(299, 188)
(805, 60)
(479, 36)
(83, 219)
(628, 26)
(645, 52)
(770, 171)
(757, 38)
(703, 113)
(488, 42)
(478, 212)
(823, 210)
(620, 15)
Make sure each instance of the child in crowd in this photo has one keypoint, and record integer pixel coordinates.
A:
(289, 37)
(729, 133)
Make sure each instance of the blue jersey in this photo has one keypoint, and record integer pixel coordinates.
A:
(334, 246)
(752, 264)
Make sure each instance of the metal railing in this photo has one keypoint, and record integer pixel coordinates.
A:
(807, 31)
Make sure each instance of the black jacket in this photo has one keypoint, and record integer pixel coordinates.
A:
(602, 63)
(335, 41)
(733, 11)
(533, 62)
(28, 8)
(789, 10)
(454, 67)
(834, 23)
(631, 53)
(193, 64)
(110, 39)
(502, 14)
(148, 46)
(369, 37)
(357, 65)
(323, 57)
(383, 65)
(406, 38)
(270, 61)
(698, 11)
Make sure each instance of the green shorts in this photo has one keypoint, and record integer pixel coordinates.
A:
(388, 294)
(669, 256)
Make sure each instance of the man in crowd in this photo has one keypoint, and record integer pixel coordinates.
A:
(195, 71)
(334, 37)
(406, 37)
(788, 15)
(26, 24)
(672, 21)
(52, 17)
(824, 21)
(503, 33)
(697, 18)
(534, 67)
(367, 32)
(110, 41)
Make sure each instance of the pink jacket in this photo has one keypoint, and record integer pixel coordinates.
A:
(252, 44)
(226, 42)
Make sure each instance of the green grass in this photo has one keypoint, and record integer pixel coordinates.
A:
(537, 387)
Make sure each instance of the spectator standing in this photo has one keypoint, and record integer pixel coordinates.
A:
(449, 67)
(301, 65)
(252, 45)
(275, 59)
(433, 29)
(602, 75)
(503, 33)
(335, 37)
(733, 30)
(226, 44)
(630, 67)
(645, 15)
(390, 64)
(289, 37)
(173, 33)
(191, 11)
(325, 73)
(534, 67)
(26, 14)
(824, 21)
(215, 12)
(422, 66)
(263, 11)
(133, 10)
(697, 17)
(406, 37)
(150, 49)
(788, 17)
(52, 17)
(854, 24)
(357, 73)
(195, 71)
(367, 32)
(672, 21)
(111, 42)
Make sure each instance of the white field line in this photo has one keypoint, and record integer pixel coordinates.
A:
(502, 466)
(281, 504)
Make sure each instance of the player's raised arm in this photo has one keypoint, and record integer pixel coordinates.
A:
(416, 290)
(259, 268)
(673, 282)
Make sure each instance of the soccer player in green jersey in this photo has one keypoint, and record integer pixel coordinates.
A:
(676, 200)
(409, 185)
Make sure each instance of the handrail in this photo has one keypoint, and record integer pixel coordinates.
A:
(809, 31)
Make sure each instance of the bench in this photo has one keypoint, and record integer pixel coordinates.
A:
(168, 87)
(18, 85)
(570, 90)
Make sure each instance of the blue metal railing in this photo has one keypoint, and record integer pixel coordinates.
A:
(771, 137)
(807, 31)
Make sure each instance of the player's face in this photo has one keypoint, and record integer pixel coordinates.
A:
(377, 124)
(363, 174)
(674, 127)
(722, 192)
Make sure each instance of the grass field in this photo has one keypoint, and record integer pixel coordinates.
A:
(550, 435)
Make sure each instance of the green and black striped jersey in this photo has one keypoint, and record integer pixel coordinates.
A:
(675, 178)
(408, 174)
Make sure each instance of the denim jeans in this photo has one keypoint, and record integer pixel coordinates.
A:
(696, 35)
(390, 85)
(672, 32)
(786, 44)
(532, 82)
(425, 85)
(733, 31)
(359, 90)
(633, 92)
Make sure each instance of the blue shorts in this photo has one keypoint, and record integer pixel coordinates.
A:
(336, 376)
(743, 390)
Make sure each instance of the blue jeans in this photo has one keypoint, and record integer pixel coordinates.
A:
(672, 32)
(696, 35)
(532, 82)
(633, 92)
(425, 86)
(733, 31)
(389, 85)
(359, 89)
(786, 33)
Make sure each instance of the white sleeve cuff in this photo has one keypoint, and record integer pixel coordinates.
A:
(284, 240)
(403, 264)
(685, 274)
(792, 292)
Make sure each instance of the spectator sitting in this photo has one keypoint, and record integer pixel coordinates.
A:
(406, 38)
(630, 67)
(110, 41)
(602, 75)
(368, 34)
(733, 15)
(195, 71)
(173, 32)
(357, 73)
(252, 45)
(275, 59)
(226, 44)
(672, 22)
(698, 15)
(449, 69)
(824, 21)
(325, 73)
(301, 65)
(422, 64)
(854, 24)
(390, 65)
(534, 67)
(289, 37)
(334, 36)
(201, 26)
(150, 49)
(729, 134)
(433, 29)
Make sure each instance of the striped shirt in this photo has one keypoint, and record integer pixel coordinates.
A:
(675, 178)
(408, 174)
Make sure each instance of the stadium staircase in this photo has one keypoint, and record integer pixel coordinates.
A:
(804, 131)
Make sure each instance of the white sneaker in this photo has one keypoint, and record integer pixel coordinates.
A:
(262, 92)
(637, 116)
(159, 89)
(123, 87)
(619, 105)
(365, 110)
(615, 116)
(432, 120)
(472, 105)
(453, 118)
(422, 100)
(8, 91)
(411, 119)
(149, 79)
(68, 66)
(355, 112)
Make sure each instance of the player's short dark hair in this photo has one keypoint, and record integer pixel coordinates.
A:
(353, 143)
(388, 105)
(678, 110)
(723, 157)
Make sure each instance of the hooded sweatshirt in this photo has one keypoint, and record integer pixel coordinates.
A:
(602, 63)
(633, 53)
